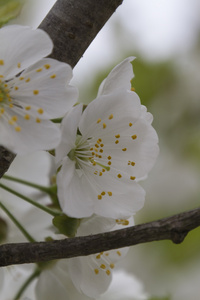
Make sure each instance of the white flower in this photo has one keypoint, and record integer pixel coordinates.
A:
(115, 148)
(92, 274)
(33, 90)
(82, 277)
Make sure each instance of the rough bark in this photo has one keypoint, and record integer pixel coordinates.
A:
(174, 228)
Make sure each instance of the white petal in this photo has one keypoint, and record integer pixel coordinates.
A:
(124, 286)
(82, 272)
(75, 198)
(32, 136)
(69, 127)
(119, 77)
(123, 106)
(127, 195)
(21, 47)
(94, 225)
(50, 79)
(55, 283)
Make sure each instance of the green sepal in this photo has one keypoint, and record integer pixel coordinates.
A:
(66, 225)
(9, 9)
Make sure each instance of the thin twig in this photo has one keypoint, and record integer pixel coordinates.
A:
(173, 228)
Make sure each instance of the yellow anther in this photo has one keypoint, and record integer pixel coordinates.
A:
(18, 128)
(102, 145)
(98, 121)
(91, 149)
(98, 256)
(109, 193)
(99, 197)
(40, 111)
(132, 177)
(101, 150)
(103, 193)
(103, 170)
(5, 85)
(28, 79)
(112, 266)
(35, 92)
(102, 266)
(99, 140)
(27, 117)
(124, 149)
(96, 145)
(119, 253)
(133, 163)
(53, 76)
(108, 272)
(39, 70)
(110, 117)
(126, 222)
(47, 66)
(21, 78)
(134, 136)
(16, 88)
(100, 156)
(119, 176)
(11, 105)
(95, 149)
(96, 271)
(130, 124)
(94, 163)
(107, 254)
(104, 125)
(117, 136)
(100, 173)
(96, 172)
(19, 65)
(2, 110)
(1, 62)
(14, 118)
(28, 107)
(37, 120)
(109, 157)
(117, 141)
(133, 89)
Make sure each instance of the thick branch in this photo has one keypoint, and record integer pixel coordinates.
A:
(174, 228)
(72, 25)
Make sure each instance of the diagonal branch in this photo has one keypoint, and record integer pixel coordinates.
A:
(72, 25)
(173, 228)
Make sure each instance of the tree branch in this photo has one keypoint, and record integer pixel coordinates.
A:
(173, 228)
(72, 25)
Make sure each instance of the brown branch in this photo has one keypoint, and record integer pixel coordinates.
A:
(72, 25)
(173, 228)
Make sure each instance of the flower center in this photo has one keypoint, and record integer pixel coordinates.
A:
(83, 153)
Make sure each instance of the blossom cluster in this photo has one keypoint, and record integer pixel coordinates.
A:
(102, 151)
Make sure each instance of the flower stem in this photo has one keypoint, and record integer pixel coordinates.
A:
(17, 223)
(42, 207)
(37, 186)
(35, 274)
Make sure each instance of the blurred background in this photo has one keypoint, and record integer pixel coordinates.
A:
(164, 35)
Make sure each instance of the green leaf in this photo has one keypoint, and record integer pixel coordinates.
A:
(66, 225)
(9, 9)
